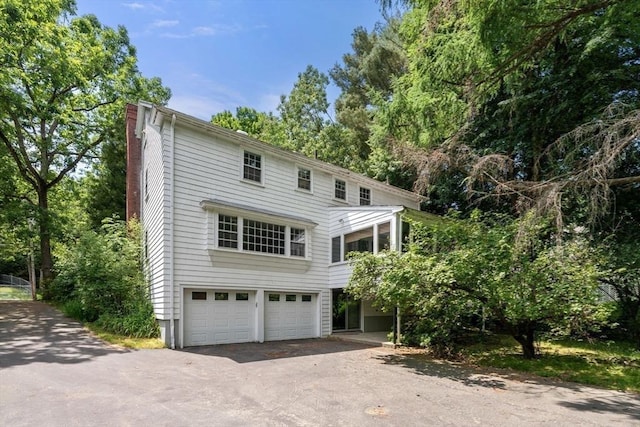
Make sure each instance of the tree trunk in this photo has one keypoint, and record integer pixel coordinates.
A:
(525, 336)
(46, 260)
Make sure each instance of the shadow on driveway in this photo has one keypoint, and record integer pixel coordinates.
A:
(590, 399)
(255, 352)
(32, 331)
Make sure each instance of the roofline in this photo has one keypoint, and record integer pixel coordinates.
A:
(248, 141)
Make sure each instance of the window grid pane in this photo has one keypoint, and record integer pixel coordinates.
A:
(227, 231)
(297, 245)
(252, 167)
(335, 249)
(304, 179)
(365, 196)
(263, 237)
(340, 190)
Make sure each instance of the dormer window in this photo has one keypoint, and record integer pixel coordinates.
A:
(252, 167)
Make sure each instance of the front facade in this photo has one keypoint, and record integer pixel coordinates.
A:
(247, 242)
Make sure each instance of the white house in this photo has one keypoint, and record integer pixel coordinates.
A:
(245, 241)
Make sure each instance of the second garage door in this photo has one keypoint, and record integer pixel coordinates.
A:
(289, 316)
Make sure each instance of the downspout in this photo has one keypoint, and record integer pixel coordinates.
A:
(172, 322)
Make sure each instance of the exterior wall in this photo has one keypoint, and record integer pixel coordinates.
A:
(154, 199)
(191, 169)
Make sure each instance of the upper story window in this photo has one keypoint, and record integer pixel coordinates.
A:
(263, 237)
(365, 196)
(252, 170)
(249, 235)
(340, 191)
(336, 243)
(297, 244)
(304, 179)
(358, 241)
(227, 231)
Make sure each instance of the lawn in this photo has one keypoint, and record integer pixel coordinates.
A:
(608, 364)
(125, 341)
(10, 293)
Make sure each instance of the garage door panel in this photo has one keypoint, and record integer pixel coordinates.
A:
(219, 321)
(289, 316)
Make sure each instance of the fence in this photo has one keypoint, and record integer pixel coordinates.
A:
(16, 283)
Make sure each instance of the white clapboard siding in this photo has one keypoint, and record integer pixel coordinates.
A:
(154, 199)
(204, 163)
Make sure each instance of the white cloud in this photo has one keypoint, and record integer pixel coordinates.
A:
(147, 6)
(164, 23)
(203, 31)
(133, 5)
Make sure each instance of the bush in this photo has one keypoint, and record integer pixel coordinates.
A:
(140, 322)
(100, 279)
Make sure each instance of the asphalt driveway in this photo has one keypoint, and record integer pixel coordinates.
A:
(53, 373)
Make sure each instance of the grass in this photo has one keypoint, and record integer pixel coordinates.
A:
(10, 293)
(124, 341)
(612, 365)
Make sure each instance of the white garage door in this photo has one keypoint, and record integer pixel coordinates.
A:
(289, 316)
(218, 317)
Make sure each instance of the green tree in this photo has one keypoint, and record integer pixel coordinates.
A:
(514, 271)
(517, 100)
(365, 78)
(105, 194)
(63, 81)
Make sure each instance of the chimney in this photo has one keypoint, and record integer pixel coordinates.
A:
(134, 163)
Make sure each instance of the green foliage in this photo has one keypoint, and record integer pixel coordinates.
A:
(609, 364)
(512, 273)
(64, 81)
(99, 279)
(140, 322)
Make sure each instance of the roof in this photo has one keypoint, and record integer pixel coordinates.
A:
(253, 143)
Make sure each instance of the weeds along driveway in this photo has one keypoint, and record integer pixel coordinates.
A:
(54, 373)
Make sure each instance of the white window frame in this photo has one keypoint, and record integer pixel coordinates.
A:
(262, 167)
(297, 179)
(346, 190)
(360, 188)
(240, 237)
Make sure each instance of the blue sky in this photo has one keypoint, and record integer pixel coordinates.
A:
(217, 55)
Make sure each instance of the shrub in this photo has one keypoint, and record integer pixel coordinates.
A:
(100, 279)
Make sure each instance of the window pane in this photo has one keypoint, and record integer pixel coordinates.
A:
(297, 244)
(304, 179)
(290, 298)
(340, 190)
(359, 241)
(274, 297)
(198, 295)
(365, 196)
(227, 231)
(384, 235)
(252, 166)
(242, 296)
(263, 237)
(221, 296)
(335, 249)
(306, 298)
